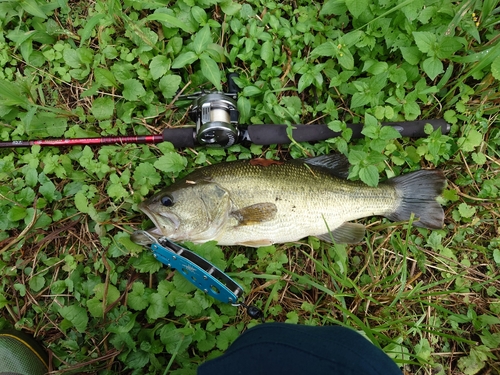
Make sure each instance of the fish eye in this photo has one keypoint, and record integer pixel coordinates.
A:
(167, 201)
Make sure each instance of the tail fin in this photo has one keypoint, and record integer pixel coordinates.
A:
(418, 192)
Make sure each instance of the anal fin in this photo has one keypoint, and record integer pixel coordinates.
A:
(256, 243)
(347, 233)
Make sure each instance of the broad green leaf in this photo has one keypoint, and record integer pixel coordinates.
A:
(226, 337)
(411, 54)
(325, 49)
(159, 66)
(169, 85)
(187, 305)
(138, 359)
(426, 41)
(411, 110)
(240, 260)
(109, 290)
(305, 81)
(423, 350)
(81, 202)
(357, 156)
(103, 108)
(105, 78)
(171, 163)
(474, 362)
(206, 344)
(122, 71)
(146, 174)
(127, 243)
(33, 8)
(165, 287)
(345, 58)
(3, 301)
(388, 132)
(495, 68)
(174, 45)
(26, 196)
(17, 213)
(244, 107)
(356, 7)
(251, 90)
(46, 123)
(21, 288)
(369, 175)
(76, 315)
(12, 95)
(95, 307)
(378, 68)
(202, 39)
(359, 99)
(466, 210)
(370, 131)
(72, 58)
(471, 141)
(216, 52)
(479, 158)
(158, 307)
(30, 175)
(199, 15)
(447, 47)
(267, 53)
(90, 24)
(230, 7)
(176, 339)
(351, 38)
(146, 262)
(496, 256)
(49, 192)
(133, 89)
(136, 298)
(211, 71)
(117, 191)
(333, 7)
(170, 21)
(184, 59)
(450, 195)
(433, 67)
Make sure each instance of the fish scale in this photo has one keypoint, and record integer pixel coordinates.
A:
(260, 202)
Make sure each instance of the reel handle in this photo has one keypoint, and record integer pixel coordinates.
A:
(232, 88)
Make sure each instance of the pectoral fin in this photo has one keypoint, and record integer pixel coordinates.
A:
(256, 213)
(346, 233)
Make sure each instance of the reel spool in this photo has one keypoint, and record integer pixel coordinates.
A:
(216, 116)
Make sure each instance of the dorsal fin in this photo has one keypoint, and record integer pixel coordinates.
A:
(336, 164)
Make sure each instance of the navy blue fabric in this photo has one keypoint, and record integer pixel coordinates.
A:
(279, 348)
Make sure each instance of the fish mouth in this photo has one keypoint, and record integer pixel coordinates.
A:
(161, 220)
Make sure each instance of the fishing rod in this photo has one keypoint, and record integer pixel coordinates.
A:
(217, 124)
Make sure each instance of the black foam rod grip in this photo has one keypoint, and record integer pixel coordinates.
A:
(179, 137)
(274, 134)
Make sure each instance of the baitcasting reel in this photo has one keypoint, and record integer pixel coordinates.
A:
(217, 125)
(216, 116)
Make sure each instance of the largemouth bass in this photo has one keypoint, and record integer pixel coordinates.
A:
(262, 202)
